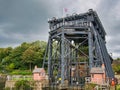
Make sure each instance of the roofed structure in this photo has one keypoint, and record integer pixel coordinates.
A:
(97, 70)
(39, 73)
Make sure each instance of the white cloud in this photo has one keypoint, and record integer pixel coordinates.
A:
(115, 55)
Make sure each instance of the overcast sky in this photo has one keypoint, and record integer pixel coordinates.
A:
(26, 20)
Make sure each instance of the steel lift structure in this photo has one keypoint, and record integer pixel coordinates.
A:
(76, 44)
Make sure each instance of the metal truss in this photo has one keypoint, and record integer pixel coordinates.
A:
(76, 44)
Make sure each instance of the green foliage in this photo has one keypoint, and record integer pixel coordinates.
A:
(7, 88)
(11, 66)
(2, 81)
(118, 87)
(21, 72)
(116, 66)
(22, 85)
(84, 49)
(90, 86)
(4, 52)
(22, 57)
(118, 59)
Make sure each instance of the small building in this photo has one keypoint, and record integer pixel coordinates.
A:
(39, 74)
(98, 75)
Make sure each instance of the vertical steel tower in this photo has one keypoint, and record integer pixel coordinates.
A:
(76, 44)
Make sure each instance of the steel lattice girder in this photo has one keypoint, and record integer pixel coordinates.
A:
(75, 41)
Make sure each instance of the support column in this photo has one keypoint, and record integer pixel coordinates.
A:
(90, 44)
(62, 58)
(49, 57)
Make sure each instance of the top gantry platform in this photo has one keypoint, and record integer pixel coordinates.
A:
(81, 20)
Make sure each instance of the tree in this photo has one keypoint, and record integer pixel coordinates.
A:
(23, 56)
(16, 55)
(5, 52)
(39, 48)
(118, 59)
(29, 57)
(34, 54)
(4, 58)
(116, 66)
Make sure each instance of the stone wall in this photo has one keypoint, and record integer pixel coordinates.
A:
(38, 85)
(10, 83)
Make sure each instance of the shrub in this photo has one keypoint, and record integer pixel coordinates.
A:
(2, 81)
(22, 85)
(7, 88)
(21, 72)
(118, 87)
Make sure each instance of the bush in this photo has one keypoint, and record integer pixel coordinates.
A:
(22, 85)
(7, 88)
(21, 72)
(90, 86)
(2, 81)
(118, 87)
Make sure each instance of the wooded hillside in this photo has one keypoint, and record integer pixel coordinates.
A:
(23, 57)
